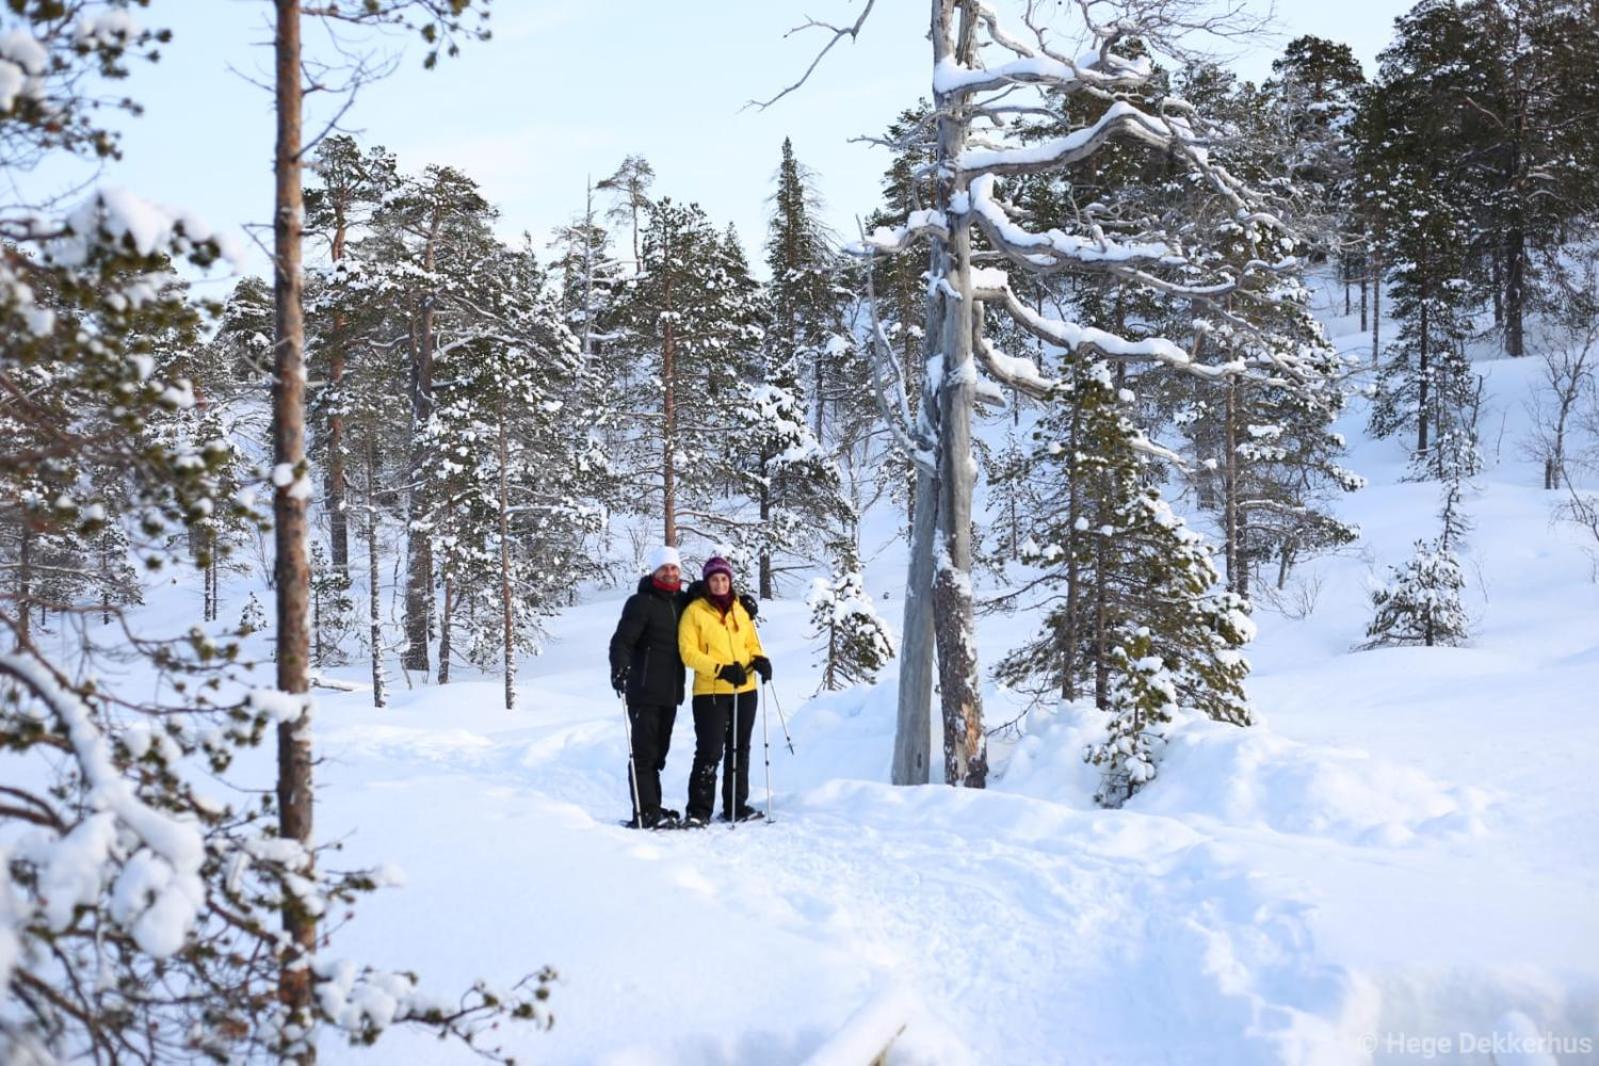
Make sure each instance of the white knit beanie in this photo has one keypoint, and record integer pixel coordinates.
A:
(665, 555)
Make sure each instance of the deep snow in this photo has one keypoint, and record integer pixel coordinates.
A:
(1400, 861)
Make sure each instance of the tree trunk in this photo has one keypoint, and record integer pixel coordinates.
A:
(1074, 573)
(1230, 485)
(669, 422)
(446, 634)
(418, 543)
(24, 577)
(913, 752)
(912, 733)
(1364, 282)
(505, 568)
(1101, 613)
(1376, 304)
(374, 601)
(289, 513)
(1421, 365)
(965, 744)
(1515, 292)
(766, 587)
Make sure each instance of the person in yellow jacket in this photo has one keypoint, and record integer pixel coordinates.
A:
(717, 640)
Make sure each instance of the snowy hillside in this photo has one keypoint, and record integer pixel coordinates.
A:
(1402, 852)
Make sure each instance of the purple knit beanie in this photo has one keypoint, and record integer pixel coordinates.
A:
(717, 565)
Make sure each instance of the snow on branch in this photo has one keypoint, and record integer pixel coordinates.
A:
(1044, 250)
(890, 239)
(993, 287)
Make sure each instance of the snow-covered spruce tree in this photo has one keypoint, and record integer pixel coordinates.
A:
(977, 60)
(1133, 611)
(1421, 602)
(1426, 384)
(806, 370)
(511, 470)
(855, 642)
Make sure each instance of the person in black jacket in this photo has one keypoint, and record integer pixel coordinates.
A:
(647, 671)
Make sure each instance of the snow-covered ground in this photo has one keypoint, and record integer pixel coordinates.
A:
(1401, 862)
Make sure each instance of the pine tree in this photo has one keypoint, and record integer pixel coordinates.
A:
(690, 326)
(352, 187)
(509, 470)
(629, 187)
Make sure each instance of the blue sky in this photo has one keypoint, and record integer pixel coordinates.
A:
(566, 90)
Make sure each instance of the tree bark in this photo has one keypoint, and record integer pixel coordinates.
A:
(418, 542)
(669, 422)
(965, 744)
(289, 511)
(765, 562)
(912, 733)
(1376, 304)
(505, 568)
(446, 634)
(1421, 364)
(374, 601)
(24, 577)
(338, 518)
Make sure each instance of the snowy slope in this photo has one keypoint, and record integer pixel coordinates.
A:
(1403, 853)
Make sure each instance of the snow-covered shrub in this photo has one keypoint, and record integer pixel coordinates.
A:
(855, 642)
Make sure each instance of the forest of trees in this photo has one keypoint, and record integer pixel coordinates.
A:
(422, 437)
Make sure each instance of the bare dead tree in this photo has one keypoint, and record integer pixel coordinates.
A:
(979, 69)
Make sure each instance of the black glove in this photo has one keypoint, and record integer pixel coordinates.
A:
(619, 681)
(733, 674)
(763, 666)
(752, 606)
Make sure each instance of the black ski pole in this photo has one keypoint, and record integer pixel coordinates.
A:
(632, 770)
(766, 746)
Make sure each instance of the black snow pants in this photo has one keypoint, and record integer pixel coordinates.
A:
(652, 736)
(713, 740)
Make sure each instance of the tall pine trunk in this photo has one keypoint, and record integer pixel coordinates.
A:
(419, 541)
(1376, 303)
(291, 567)
(374, 602)
(24, 577)
(1074, 573)
(446, 633)
(507, 616)
(1422, 367)
(669, 421)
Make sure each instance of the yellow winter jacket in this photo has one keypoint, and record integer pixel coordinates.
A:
(708, 639)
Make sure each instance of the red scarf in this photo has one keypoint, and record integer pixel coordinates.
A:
(662, 586)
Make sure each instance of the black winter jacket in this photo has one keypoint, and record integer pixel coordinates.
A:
(645, 645)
